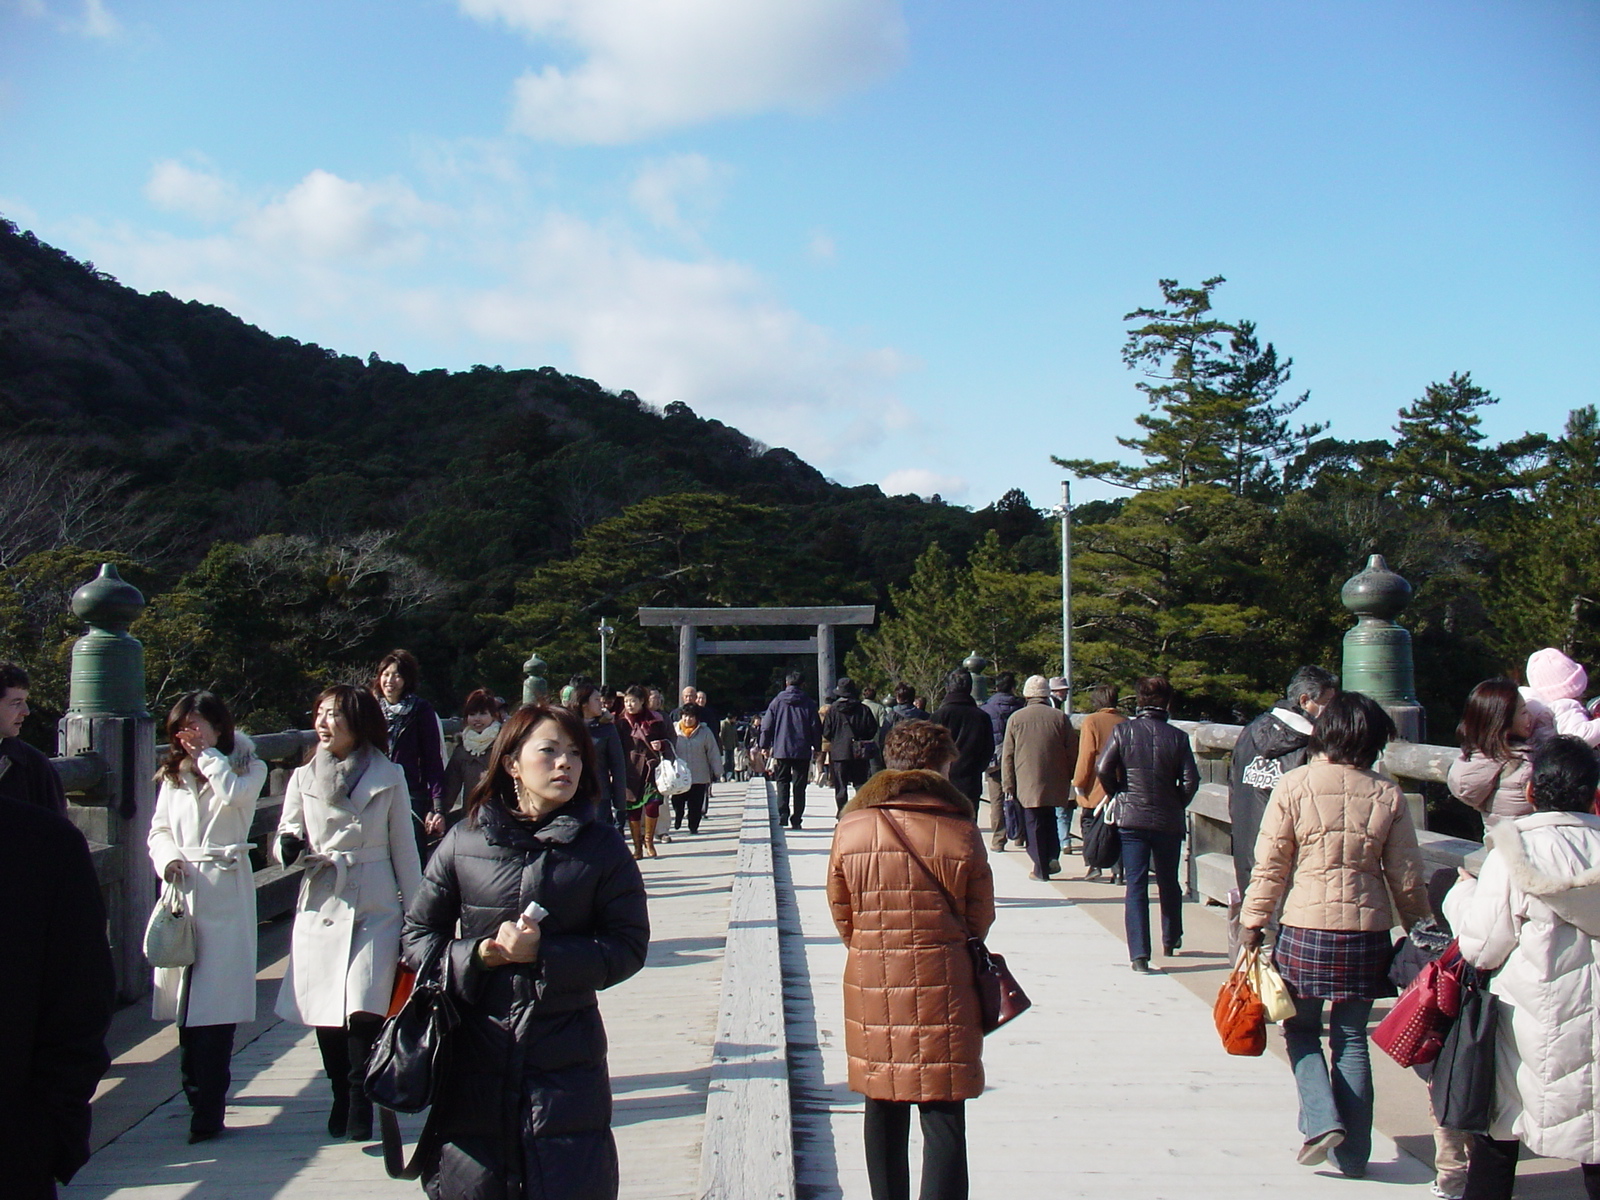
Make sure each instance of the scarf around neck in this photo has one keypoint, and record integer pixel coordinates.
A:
(336, 778)
(477, 744)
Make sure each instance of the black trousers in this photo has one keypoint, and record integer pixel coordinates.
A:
(205, 1056)
(691, 804)
(944, 1150)
(850, 772)
(1492, 1170)
(790, 776)
(1044, 839)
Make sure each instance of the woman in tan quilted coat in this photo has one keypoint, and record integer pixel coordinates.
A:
(905, 850)
(1336, 843)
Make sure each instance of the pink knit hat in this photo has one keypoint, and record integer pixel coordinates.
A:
(1555, 676)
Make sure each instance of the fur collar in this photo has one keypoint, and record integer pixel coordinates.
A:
(1574, 898)
(910, 789)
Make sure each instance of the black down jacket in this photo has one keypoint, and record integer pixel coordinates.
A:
(1151, 765)
(524, 1109)
(1268, 748)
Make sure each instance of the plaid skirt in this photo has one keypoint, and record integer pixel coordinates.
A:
(1334, 964)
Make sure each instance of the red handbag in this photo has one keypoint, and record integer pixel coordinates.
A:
(1413, 1032)
(1240, 1016)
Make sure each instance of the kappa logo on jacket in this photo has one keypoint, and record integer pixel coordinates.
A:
(1262, 772)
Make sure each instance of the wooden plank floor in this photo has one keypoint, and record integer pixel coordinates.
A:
(1113, 1085)
(661, 1025)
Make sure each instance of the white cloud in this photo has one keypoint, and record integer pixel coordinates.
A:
(679, 193)
(646, 66)
(919, 481)
(356, 266)
(176, 188)
(821, 247)
(90, 19)
(97, 20)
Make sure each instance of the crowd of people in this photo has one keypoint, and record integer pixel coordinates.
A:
(508, 863)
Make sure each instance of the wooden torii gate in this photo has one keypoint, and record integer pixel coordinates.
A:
(691, 645)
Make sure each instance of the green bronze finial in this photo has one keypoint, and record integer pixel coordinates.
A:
(1377, 652)
(107, 664)
(534, 688)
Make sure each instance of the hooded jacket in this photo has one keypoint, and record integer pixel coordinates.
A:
(851, 730)
(911, 1020)
(1268, 749)
(973, 732)
(1533, 917)
(791, 728)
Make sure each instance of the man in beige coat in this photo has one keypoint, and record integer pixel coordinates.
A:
(1036, 765)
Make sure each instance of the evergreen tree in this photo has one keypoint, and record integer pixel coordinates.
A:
(1441, 459)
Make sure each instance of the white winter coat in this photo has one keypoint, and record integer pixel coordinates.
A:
(205, 821)
(361, 871)
(1534, 913)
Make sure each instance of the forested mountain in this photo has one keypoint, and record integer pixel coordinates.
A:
(291, 511)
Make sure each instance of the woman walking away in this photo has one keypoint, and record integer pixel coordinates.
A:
(697, 746)
(611, 764)
(1149, 766)
(908, 884)
(525, 1108)
(1336, 842)
(1533, 918)
(416, 743)
(349, 812)
(200, 842)
(1092, 739)
(1492, 773)
(644, 740)
(480, 725)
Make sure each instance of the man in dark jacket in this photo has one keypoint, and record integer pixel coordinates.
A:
(1148, 766)
(851, 731)
(57, 1000)
(26, 774)
(973, 732)
(904, 708)
(1269, 747)
(999, 706)
(791, 733)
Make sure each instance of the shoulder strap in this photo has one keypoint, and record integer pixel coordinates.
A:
(950, 900)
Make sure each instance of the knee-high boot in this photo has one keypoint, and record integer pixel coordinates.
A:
(363, 1033)
(335, 1047)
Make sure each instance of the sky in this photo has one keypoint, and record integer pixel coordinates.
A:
(896, 236)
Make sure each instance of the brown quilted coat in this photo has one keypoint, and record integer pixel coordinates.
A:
(911, 1021)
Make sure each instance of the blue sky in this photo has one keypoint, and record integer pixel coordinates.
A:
(898, 237)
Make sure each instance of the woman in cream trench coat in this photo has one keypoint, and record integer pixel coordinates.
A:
(199, 840)
(349, 811)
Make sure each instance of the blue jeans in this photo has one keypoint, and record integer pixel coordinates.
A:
(1340, 1098)
(1142, 849)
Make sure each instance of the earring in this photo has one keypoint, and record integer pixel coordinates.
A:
(522, 793)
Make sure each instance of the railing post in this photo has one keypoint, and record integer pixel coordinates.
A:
(535, 689)
(106, 713)
(1377, 652)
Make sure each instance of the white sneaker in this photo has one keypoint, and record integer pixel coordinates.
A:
(1438, 1191)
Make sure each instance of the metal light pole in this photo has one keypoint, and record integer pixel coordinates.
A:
(1064, 511)
(606, 633)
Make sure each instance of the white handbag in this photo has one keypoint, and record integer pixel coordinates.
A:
(673, 777)
(169, 936)
(1271, 988)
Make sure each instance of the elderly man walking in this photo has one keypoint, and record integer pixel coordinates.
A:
(1036, 764)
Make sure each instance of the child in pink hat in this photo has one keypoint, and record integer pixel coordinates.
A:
(1558, 684)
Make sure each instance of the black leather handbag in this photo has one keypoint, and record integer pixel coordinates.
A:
(1102, 844)
(1462, 1087)
(410, 1058)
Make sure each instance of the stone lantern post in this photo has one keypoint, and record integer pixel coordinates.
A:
(975, 665)
(1377, 652)
(535, 689)
(106, 713)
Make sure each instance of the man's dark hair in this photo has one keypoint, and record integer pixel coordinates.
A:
(12, 676)
(1006, 681)
(692, 710)
(1104, 695)
(904, 693)
(1309, 681)
(1352, 730)
(958, 682)
(1565, 775)
(868, 692)
(1153, 691)
(792, 679)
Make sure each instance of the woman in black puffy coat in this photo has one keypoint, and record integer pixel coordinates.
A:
(524, 1110)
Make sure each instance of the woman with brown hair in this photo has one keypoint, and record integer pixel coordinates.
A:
(416, 742)
(1492, 773)
(349, 812)
(480, 725)
(909, 883)
(524, 1108)
(200, 841)
(645, 740)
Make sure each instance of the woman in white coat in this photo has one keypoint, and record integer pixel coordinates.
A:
(348, 810)
(199, 842)
(1532, 916)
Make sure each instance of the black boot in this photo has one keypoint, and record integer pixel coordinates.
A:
(363, 1032)
(335, 1047)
